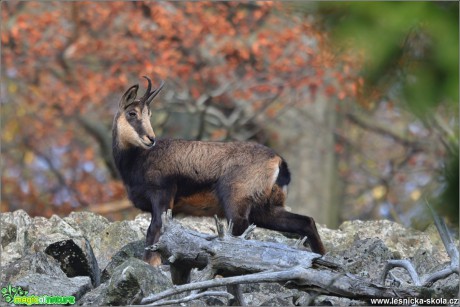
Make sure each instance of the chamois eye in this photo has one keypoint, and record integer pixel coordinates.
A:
(132, 114)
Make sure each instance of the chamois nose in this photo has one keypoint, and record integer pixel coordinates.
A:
(152, 139)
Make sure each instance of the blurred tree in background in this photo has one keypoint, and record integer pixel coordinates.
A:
(410, 61)
(231, 69)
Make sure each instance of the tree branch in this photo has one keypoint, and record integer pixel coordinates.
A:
(371, 125)
(450, 247)
(192, 297)
(257, 262)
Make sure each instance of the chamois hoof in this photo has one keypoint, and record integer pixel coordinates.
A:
(154, 259)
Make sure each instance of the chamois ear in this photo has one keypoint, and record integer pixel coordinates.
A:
(128, 97)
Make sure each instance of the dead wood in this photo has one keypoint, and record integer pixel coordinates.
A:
(242, 261)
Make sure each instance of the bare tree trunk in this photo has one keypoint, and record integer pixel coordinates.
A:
(307, 143)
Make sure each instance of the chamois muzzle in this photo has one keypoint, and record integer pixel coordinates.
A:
(152, 140)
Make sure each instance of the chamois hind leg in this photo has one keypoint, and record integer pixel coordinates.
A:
(273, 216)
(277, 218)
(160, 201)
(237, 211)
(239, 219)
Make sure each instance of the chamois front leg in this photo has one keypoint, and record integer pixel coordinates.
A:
(159, 203)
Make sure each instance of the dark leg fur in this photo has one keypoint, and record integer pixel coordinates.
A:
(236, 208)
(239, 226)
(237, 213)
(180, 275)
(277, 218)
(153, 234)
(159, 201)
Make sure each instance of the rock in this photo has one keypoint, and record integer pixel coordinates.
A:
(200, 224)
(278, 301)
(88, 223)
(95, 297)
(365, 258)
(403, 242)
(132, 281)
(447, 288)
(113, 238)
(59, 225)
(304, 299)
(214, 301)
(269, 294)
(49, 255)
(41, 284)
(141, 222)
(134, 249)
(15, 249)
(40, 263)
(75, 255)
(91, 226)
(325, 300)
(11, 253)
(19, 218)
(425, 262)
(40, 228)
(8, 233)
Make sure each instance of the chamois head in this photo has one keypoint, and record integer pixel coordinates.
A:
(132, 122)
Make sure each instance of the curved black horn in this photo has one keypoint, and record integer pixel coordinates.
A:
(147, 92)
(155, 92)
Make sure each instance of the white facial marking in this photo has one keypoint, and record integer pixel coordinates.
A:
(126, 133)
(127, 136)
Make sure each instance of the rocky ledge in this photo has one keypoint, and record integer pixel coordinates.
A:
(99, 262)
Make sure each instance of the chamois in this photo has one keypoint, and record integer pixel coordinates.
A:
(242, 181)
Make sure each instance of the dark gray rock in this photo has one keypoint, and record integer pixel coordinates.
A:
(76, 258)
(267, 294)
(41, 284)
(365, 258)
(425, 262)
(74, 254)
(134, 249)
(214, 301)
(95, 297)
(447, 288)
(132, 281)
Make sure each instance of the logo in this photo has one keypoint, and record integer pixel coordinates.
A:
(18, 296)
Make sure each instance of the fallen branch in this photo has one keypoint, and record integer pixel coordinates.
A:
(192, 297)
(219, 282)
(258, 262)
